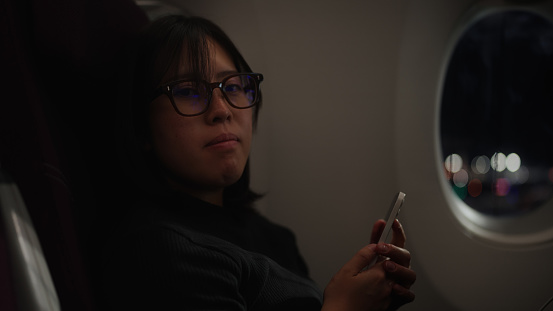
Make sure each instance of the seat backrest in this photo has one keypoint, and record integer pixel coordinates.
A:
(25, 270)
(55, 60)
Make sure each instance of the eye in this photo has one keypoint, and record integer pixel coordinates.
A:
(233, 88)
(186, 90)
(235, 84)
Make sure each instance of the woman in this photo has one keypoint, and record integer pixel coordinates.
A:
(191, 239)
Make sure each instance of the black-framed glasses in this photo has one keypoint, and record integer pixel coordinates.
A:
(191, 97)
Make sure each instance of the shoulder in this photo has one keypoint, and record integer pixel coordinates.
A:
(153, 237)
(155, 259)
(162, 265)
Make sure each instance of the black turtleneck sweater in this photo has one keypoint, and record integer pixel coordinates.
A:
(180, 253)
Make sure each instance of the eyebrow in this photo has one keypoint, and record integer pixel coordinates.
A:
(223, 74)
(218, 76)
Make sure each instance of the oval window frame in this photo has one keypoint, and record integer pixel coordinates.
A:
(530, 230)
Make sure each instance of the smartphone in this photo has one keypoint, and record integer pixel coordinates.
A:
(393, 213)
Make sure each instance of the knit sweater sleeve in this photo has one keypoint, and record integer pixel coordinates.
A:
(168, 268)
(162, 269)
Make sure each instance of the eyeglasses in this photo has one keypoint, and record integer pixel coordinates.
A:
(191, 98)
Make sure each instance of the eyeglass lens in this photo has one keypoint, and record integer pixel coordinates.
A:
(193, 98)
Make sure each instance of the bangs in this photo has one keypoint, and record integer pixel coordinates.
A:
(186, 51)
(186, 47)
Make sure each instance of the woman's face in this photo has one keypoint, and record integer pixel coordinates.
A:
(202, 154)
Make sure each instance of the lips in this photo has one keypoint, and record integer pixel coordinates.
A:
(223, 138)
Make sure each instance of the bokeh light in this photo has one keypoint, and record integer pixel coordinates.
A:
(520, 176)
(513, 162)
(498, 176)
(475, 188)
(480, 164)
(461, 192)
(498, 162)
(453, 163)
(501, 187)
(461, 178)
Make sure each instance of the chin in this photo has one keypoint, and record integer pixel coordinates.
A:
(230, 180)
(231, 174)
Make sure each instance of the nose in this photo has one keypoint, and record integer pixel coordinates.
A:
(219, 110)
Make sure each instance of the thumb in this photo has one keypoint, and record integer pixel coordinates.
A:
(360, 260)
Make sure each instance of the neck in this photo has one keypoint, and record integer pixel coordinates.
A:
(211, 195)
(215, 198)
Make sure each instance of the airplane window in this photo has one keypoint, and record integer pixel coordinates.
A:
(496, 115)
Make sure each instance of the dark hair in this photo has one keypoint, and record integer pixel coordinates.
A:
(156, 53)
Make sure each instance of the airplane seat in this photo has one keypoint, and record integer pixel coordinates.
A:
(6, 278)
(27, 284)
(57, 61)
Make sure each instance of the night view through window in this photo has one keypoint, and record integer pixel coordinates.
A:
(496, 117)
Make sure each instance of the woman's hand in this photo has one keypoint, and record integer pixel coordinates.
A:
(383, 286)
(356, 288)
(398, 263)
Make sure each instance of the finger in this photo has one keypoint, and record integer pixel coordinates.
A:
(396, 254)
(378, 228)
(398, 235)
(402, 296)
(400, 274)
(360, 260)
